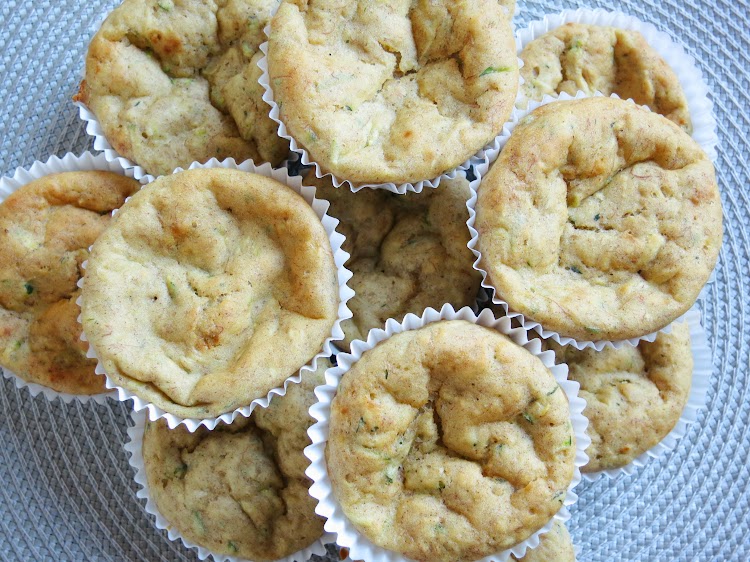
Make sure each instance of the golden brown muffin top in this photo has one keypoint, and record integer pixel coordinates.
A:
(554, 546)
(176, 81)
(46, 228)
(634, 395)
(240, 489)
(593, 58)
(392, 92)
(209, 289)
(449, 442)
(600, 220)
(408, 252)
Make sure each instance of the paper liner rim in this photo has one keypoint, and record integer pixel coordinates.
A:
(101, 144)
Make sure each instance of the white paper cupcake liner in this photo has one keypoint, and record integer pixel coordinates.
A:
(702, 371)
(134, 446)
(480, 171)
(684, 66)
(336, 239)
(346, 534)
(402, 188)
(22, 176)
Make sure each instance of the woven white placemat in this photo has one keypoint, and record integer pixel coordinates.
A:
(67, 492)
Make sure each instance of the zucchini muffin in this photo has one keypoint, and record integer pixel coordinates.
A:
(449, 442)
(210, 288)
(46, 228)
(554, 546)
(176, 81)
(593, 58)
(408, 252)
(240, 490)
(392, 91)
(634, 395)
(600, 220)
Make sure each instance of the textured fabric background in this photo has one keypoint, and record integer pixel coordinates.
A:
(66, 490)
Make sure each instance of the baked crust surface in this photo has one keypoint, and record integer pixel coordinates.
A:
(408, 252)
(46, 228)
(554, 546)
(241, 489)
(592, 58)
(449, 442)
(209, 289)
(176, 81)
(634, 395)
(600, 220)
(392, 92)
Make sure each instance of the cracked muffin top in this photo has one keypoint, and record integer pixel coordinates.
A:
(392, 92)
(408, 252)
(594, 58)
(240, 489)
(176, 81)
(634, 395)
(208, 290)
(46, 228)
(600, 220)
(449, 442)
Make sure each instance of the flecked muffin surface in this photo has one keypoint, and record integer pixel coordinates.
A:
(634, 395)
(554, 546)
(210, 288)
(591, 58)
(392, 92)
(176, 81)
(46, 228)
(241, 489)
(408, 252)
(600, 219)
(449, 443)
